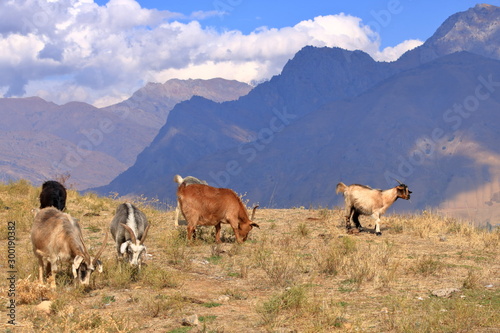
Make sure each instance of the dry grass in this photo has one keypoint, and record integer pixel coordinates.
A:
(298, 272)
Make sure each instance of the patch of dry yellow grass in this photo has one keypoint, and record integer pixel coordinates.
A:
(299, 271)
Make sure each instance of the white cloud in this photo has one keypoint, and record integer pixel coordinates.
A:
(393, 53)
(76, 50)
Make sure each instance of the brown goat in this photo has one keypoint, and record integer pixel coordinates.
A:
(205, 205)
(57, 238)
(363, 200)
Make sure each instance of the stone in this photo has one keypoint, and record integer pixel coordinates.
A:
(44, 307)
(446, 292)
(191, 320)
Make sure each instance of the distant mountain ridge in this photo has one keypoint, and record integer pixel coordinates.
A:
(335, 115)
(152, 103)
(475, 30)
(40, 140)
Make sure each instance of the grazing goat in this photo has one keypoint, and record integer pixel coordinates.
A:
(56, 239)
(363, 200)
(205, 205)
(129, 229)
(189, 180)
(53, 194)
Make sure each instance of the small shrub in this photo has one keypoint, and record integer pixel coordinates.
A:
(176, 249)
(332, 262)
(325, 213)
(236, 294)
(29, 292)
(158, 278)
(117, 274)
(156, 305)
(303, 230)
(426, 266)
(280, 269)
(294, 298)
(471, 281)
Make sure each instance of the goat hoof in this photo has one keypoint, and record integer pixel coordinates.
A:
(378, 233)
(361, 229)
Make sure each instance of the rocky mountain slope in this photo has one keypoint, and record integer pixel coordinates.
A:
(336, 115)
(40, 140)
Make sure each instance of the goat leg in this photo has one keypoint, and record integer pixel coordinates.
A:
(190, 232)
(348, 222)
(217, 233)
(377, 226)
(355, 218)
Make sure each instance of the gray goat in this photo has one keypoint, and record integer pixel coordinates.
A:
(56, 239)
(363, 200)
(129, 229)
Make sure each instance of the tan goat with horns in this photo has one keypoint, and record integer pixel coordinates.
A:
(56, 239)
(364, 200)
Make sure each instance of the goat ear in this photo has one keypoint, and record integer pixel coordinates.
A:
(123, 247)
(98, 265)
(255, 225)
(76, 264)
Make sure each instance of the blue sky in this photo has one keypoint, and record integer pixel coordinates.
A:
(100, 52)
(398, 20)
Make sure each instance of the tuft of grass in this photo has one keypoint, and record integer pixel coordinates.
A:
(293, 299)
(236, 294)
(303, 230)
(176, 249)
(207, 319)
(472, 280)
(337, 255)
(159, 305)
(158, 277)
(426, 265)
(325, 213)
(29, 292)
(211, 304)
(117, 274)
(281, 268)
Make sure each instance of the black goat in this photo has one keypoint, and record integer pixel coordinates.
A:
(53, 194)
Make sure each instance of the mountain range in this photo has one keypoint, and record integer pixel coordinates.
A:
(40, 140)
(429, 119)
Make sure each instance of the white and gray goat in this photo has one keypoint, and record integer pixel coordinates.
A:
(129, 229)
(189, 180)
(57, 239)
(363, 200)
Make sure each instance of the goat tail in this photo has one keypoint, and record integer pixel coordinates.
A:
(341, 187)
(253, 212)
(178, 179)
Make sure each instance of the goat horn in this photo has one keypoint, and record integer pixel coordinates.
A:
(86, 254)
(400, 183)
(98, 255)
(143, 238)
(131, 232)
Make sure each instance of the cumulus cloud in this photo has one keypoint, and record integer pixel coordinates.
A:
(393, 53)
(77, 50)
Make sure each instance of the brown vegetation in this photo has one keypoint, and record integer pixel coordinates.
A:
(300, 272)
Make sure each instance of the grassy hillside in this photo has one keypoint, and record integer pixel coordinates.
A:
(299, 272)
